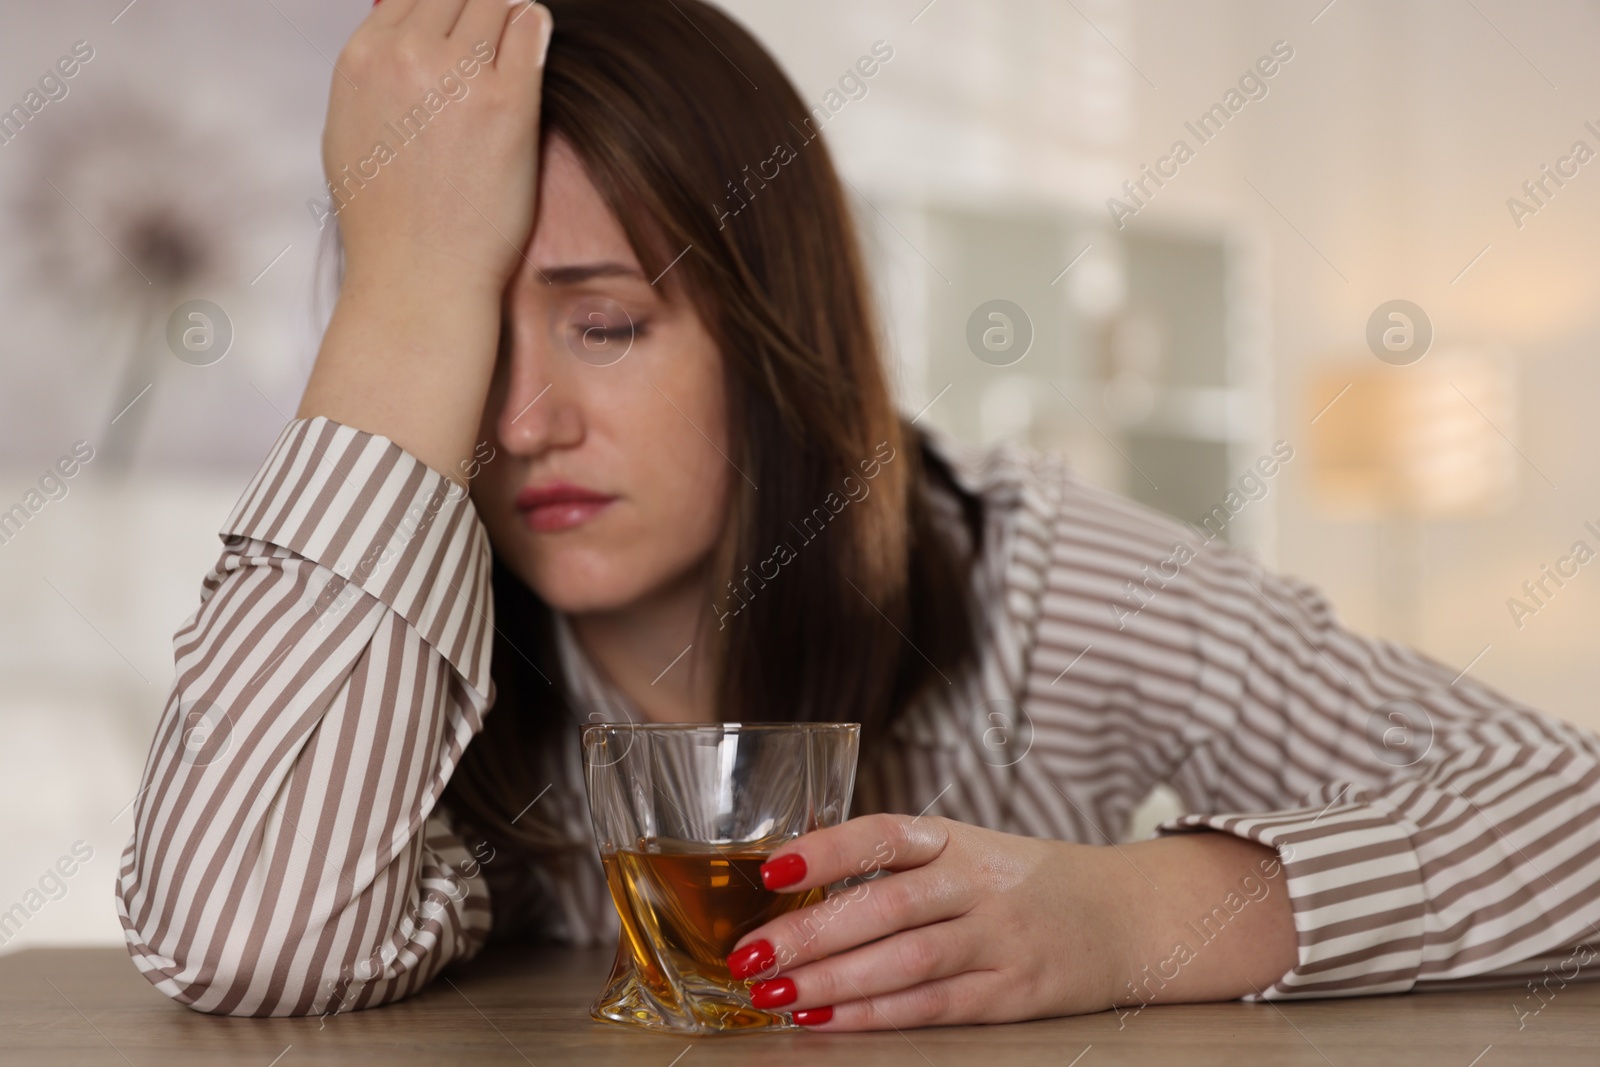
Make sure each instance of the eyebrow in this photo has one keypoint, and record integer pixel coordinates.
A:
(582, 272)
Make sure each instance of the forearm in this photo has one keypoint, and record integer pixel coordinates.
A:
(409, 361)
(1212, 922)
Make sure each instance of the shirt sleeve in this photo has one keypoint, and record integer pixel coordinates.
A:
(289, 856)
(1433, 833)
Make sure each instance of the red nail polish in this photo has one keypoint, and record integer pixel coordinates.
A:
(773, 994)
(783, 871)
(751, 960)
(813, 1016)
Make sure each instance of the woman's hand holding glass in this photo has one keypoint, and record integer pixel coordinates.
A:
(978, 926)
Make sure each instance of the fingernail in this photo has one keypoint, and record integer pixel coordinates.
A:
(813, 1016)
(783, 871)
(754, 958)
(773, 994)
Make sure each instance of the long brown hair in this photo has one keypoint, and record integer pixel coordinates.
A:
(836, 597)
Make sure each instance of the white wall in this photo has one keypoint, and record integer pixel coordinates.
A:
(1391, 142)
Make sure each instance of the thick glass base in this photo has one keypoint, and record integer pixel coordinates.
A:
(674, 1008)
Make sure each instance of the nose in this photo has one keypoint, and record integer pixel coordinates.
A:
(539, 408)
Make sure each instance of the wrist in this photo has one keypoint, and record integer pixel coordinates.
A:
(408, 359)
(1133, 919)
(1216, 923)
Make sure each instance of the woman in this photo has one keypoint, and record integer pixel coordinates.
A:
(614, 294)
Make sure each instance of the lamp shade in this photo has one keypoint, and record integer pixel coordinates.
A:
(1430, 440)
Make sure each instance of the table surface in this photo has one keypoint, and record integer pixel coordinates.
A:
(529, 1005)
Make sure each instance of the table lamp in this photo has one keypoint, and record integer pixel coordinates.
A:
(1401, 446)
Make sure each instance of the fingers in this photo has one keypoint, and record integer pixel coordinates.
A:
(483, 20)
(434, 16)
(951, 1001)
(903, 961)
(859, 846)
(526, 40)
(864, 913)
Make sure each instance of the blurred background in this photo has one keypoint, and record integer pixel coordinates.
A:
(1371, 259)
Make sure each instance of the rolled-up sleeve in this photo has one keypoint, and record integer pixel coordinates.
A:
(289, 856)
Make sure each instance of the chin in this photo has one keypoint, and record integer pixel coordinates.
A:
(575, 587)
(584, 601)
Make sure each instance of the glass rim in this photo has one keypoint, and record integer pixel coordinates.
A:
(723, 727)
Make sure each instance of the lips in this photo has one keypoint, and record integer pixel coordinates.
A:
(557, 506)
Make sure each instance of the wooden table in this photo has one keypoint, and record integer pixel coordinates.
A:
(519, 1005)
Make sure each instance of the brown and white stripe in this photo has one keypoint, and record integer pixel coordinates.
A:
(295, 860)
(287, 857)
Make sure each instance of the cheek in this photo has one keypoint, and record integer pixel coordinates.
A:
(671, 437)
(677, 441)
(689, 506)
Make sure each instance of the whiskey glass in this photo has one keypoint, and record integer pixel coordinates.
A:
(684, 815)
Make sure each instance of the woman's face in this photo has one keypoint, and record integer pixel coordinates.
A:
(607, 415)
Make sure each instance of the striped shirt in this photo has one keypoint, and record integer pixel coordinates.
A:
(290, 855)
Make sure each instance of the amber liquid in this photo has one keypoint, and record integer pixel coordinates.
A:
(683, 906)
